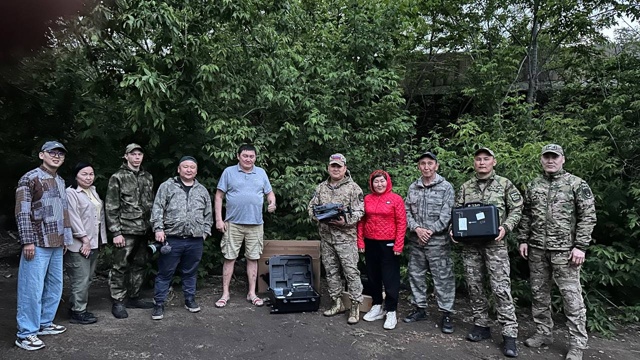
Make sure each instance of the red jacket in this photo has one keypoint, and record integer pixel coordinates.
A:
(384, 217)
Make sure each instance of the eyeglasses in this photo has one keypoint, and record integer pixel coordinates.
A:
(56, 154)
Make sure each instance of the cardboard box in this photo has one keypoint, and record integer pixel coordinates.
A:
(364, 307)
(289, 247)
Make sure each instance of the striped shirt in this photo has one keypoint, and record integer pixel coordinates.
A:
(41, 209)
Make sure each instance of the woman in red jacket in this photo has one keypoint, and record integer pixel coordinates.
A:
(381, 238)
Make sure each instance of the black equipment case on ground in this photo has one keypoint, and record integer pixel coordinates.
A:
(291, 284)
(475, 223)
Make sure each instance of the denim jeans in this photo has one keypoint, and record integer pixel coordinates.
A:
(80, 271)
(39, 290)
(185, 253)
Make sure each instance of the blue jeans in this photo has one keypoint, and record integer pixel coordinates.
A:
(186, 253)
(39, 290)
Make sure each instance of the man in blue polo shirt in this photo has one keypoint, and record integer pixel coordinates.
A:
(244, 187)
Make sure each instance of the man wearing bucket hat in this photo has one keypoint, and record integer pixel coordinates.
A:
(181, 216)
(45, 228)
(128, 213)
(555, 231)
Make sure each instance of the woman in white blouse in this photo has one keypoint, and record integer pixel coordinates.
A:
(86, 211)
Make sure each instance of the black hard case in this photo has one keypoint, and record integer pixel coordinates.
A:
(481, 223)
(291, 284)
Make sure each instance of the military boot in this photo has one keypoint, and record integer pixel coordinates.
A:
(510, 349)
(336, 308)
(574, 354)
(538, 340)
(354, 313)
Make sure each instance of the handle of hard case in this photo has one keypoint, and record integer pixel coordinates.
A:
(473, 204)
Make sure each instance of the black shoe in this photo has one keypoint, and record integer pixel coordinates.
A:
(510, 348)
(83, 318)
(158, 312)
(119, 310)
(418, 314)
(191, 305)
(137, 303)
(446, 325)
(479, 333)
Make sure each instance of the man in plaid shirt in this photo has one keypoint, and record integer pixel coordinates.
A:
(45, 229)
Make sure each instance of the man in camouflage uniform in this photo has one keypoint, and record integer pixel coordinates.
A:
(338, 237)
(559, 216)
(491, 257)
(428, 205)
(128, 212)
(182, 218)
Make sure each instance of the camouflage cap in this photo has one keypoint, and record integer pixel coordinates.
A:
(429, 155)
(338, 159)
(133, 146)
(50, 145)
(486, 150)
(552, 148)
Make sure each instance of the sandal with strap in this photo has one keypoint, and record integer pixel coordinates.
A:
(256, 301)
(222, 302)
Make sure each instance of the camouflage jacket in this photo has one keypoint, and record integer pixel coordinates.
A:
(181, 213)
(128, 201)
(559, 213)
(346, 192)
(429, 207)
(495, 190)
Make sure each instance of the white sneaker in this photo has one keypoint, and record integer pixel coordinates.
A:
(31, 342)
(376, 313)
(391, 321)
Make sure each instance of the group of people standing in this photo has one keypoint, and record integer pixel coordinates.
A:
(65, 227)
(553, 222)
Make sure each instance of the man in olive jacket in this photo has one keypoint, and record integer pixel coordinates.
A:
(182, 218)
(555, 231)
(128, 213)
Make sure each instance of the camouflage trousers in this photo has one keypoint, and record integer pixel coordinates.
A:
(437, 260)
(544, 267)
(129, 266)
(492, 260)
(342, 258)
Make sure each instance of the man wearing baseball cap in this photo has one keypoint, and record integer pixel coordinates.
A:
(554, 234)
(128, 214)
(428, 206)
(45, 228)
(339, 237)
(491, 259)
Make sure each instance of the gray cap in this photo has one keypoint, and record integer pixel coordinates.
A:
(338, 159)
(552, 148)
(484, 149)
(50, 145)
(131, 147)
(428, 154)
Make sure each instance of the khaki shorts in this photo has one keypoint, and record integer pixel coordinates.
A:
(234, 236)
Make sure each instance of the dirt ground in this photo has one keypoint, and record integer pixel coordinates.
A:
(243, 331)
